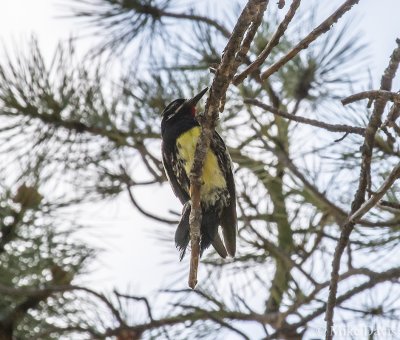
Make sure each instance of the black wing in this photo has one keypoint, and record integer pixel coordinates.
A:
(228, 217)
(179, 186)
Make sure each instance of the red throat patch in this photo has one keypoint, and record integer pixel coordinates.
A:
(193, 111)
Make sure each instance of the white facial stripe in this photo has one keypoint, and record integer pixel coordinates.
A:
(178, 109)
(171, 116)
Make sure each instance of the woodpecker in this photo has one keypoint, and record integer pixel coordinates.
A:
(180, 131)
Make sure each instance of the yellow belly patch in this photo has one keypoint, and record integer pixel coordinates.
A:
(212, 177)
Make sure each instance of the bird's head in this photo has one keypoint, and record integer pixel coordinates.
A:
(182, 107)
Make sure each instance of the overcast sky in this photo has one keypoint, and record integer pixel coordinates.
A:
(132, 251)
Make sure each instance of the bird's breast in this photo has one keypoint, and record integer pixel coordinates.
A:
(213, 180)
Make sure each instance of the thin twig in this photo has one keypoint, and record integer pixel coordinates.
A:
(391, 205)
(194, 17)
(144, 212)
(341, 138)
(324, 27)
(375, 94)
(393, 176)
(280, 31)
(137, 298)
(308, 121)
(222, 79)
(392, 116)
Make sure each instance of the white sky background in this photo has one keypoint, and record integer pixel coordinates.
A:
(135, 258)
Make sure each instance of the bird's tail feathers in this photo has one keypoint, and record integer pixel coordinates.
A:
(182, 234)
(229, 229)
(209, 232)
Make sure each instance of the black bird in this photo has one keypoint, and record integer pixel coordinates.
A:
(180, 131)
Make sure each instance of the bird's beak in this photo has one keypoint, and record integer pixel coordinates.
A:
(193, 101)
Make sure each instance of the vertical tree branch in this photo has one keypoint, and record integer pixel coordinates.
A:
(280, 31)
(365, 174)
(222, 79)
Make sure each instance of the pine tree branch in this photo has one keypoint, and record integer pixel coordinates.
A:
(365, 174)
(144, 212)
(308, 121)
(122, 22)
(392, 205)
(138, 298)
(280, 31)
(43, 293)
(387, 95)
(392, 116)
(118, 137)
(375, 278)
(198, 18)
(324, 27)
(197, 313)
(242, 54)
(157, 13)
(378, 194)
(222, 79)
